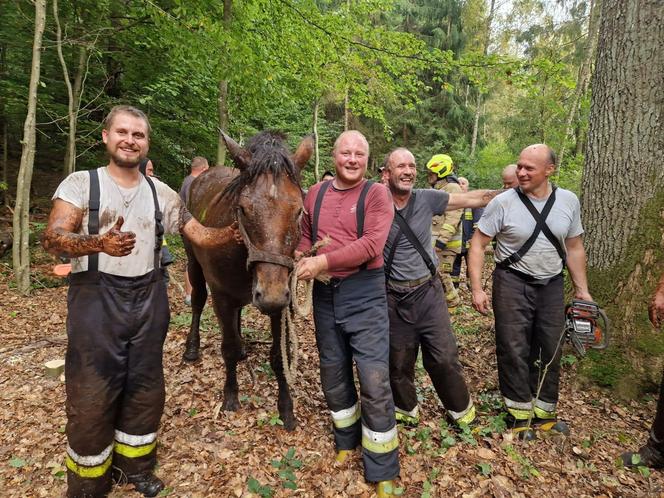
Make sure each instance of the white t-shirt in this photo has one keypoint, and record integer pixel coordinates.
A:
(508, 220)
(136, 205)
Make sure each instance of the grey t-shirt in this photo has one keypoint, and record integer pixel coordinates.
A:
(508, 220)
(136, 205)
(184, 189)
(407, 263)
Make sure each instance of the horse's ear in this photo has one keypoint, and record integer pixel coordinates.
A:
(241, 157)
(303, 152)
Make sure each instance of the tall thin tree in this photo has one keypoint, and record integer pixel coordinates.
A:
(21, 247)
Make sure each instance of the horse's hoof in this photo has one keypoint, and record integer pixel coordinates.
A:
(290, 423)
(231, 405)
(190, 355)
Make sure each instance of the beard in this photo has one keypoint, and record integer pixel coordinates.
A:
(399, 190)
(125, 163)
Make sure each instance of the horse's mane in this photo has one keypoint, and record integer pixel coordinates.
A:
(268, 155)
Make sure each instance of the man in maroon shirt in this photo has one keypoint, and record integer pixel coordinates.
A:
(350, 312)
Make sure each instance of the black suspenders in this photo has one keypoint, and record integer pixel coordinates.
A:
(93, 220)
(541, 226)
(359, 211)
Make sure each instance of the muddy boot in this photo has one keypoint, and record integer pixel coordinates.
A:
(342, 455)
(521, 429)
(146, 483)
(409, 418)
(651, 455)
(385, 489)
(551, 425)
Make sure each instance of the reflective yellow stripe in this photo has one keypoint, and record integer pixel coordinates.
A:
(519, 414)
(469, 215)
(453, 244)
(539, 413)
(88, 472)
(380, 442)
(448, 227)
(346, 417)
(468, 417)
(134, 451)
(385, 447)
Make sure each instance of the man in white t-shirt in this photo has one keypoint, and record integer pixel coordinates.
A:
(110, 222)
(527, 295)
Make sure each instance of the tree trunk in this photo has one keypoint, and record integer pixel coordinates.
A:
(623, 181)
(21, 248)
(476, 123)
(70, 151)
(583, 78)
(478, 106)
(346, 111)
(316, 151)
(222, 101)
(223, 121)
(5, 140)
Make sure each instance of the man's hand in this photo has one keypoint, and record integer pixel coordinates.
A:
(235, 232)
(310, 268)
(656, 308)
(481, 301)
(583, 295)
(117, 243)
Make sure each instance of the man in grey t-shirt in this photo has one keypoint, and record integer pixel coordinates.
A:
(416, 305)
(528, 291)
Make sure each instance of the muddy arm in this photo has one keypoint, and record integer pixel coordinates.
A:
(208, 237)
(60, 237)
(472, 199)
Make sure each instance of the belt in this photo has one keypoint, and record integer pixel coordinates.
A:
(409, 283)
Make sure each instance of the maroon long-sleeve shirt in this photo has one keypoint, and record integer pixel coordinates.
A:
(346, 253)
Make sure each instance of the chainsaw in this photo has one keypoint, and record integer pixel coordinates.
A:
(586, 326)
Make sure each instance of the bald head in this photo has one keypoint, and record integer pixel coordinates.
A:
(509, 176)
(542, 153)
(350, 135)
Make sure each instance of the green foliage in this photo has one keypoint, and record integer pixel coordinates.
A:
(528, 470)
(287, 466)
(484, 170)
(567, 360)
(254, 486)
(484, 468)
(17, 462)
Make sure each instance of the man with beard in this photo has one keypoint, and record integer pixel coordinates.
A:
(414, 294)
(110, 222)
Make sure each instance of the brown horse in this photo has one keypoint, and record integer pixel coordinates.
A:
(265, 199)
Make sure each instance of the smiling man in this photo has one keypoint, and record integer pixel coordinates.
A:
(350, 312)
(417, 311)
(110, 221)
(538, 231)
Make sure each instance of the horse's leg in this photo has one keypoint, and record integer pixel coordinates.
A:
(198, 299)
(285, 403)
(231, 347)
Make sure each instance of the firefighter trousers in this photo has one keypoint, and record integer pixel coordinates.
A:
(351, 324)
(445, 262)
(116, 327)
(418, 318)
(529, 318)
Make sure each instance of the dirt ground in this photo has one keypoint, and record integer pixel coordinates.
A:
(206, 452)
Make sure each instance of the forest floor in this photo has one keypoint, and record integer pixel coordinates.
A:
(206, 452)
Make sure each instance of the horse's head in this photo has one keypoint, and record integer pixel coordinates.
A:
(268, 204)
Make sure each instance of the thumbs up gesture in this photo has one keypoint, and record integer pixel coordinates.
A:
(118, 243)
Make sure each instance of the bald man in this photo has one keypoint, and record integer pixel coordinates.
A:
(509, 176)
(350, 311)
(528, 305)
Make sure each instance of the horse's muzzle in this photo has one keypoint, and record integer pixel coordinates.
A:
(270, 292)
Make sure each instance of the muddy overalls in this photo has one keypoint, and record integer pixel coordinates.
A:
(350, 316)
(116, 327)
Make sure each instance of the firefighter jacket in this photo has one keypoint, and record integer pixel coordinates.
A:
(446, 228)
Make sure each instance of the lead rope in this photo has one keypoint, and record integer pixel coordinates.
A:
(288, 334)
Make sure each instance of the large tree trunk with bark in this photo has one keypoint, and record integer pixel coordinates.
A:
(21, 248)
(623, 185)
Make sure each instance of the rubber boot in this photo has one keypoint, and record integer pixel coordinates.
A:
(342, 455)
(650, 455)
(551, 425)
(146, 483)
(385, 489)
(522, 429)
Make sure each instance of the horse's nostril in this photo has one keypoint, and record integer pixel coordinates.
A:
(257, 295)
(287, 295)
